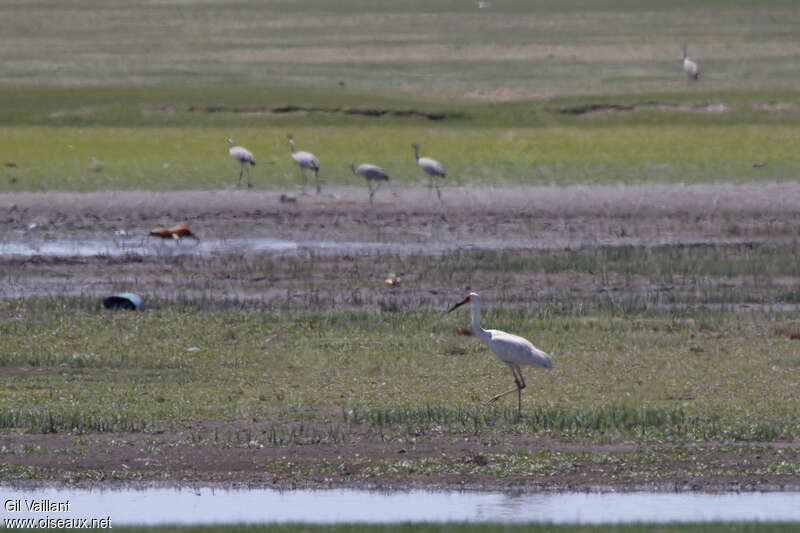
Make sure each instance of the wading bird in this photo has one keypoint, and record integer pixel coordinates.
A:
(432, 168)
(689, 66)
(244, 157)
(305, 160)
(374, 175)
(511, 349)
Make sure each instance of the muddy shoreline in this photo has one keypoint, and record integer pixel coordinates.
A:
(235, 469)
(664, 488)
(170, 460)
(529, 219)
(89, 244)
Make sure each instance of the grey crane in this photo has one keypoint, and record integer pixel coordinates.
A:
(432, 168)
(374, 175)
(305, 160)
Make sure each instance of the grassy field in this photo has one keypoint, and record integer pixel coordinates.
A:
(153, 90)
(445, 49)
(663, 374)
(149, 139)
(163, 368)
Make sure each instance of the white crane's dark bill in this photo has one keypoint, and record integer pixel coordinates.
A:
(459, 304)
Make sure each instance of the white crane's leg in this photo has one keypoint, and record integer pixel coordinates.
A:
(247, 169)
(316, 176)
(518, 389)
(241, 171)
(521, 385)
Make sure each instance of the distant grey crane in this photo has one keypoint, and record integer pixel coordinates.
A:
(305, 160)
(690, 67)
(244, 157)
(374, 175)
(95, 165)
(431, 167)
(511, 349)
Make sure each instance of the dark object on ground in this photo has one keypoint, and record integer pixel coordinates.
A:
(124, 300)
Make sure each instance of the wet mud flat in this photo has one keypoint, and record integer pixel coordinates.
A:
(332, 247)
(254, 246)
(367, 461)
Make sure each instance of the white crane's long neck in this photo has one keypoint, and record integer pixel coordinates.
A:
(416, 154)
(291, 146)
(476, 321)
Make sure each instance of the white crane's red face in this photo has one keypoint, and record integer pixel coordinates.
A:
(459, 304)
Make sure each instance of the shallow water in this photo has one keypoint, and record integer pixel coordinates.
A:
(88, 248)
(145, 247)
(208, 505)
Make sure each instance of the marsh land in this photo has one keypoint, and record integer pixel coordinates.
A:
(304, 368)
(639, 226)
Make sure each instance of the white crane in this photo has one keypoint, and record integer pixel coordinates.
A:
(244, 157)
(431, 167)
(305, 160)
(689, 66)
(511, 349)
(374, 175)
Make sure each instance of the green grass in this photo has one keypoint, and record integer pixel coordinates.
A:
(51, 135)
(196, 158)
(96, 371)
(662, 264)
(152, 90)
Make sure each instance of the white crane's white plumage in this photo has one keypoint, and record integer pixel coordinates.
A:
(305, 160)
(431, 167)
(374, 175)
(513, 350)
(690, 67)
(245, 157)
